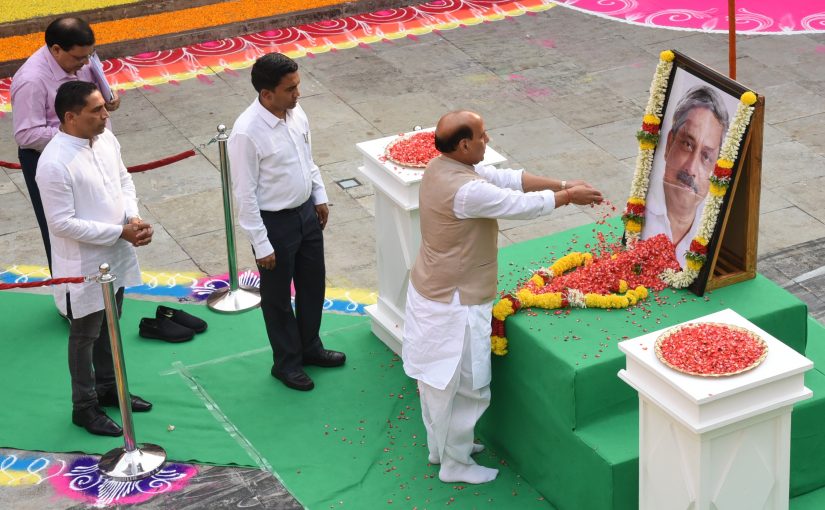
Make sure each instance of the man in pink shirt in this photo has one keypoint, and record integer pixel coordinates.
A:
(66, 56)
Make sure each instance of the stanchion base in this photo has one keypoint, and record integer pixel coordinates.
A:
(123, 466)
(234, 301)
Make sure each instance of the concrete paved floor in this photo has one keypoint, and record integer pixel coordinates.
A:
(562, 94)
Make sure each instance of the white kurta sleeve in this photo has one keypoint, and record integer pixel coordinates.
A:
(56, 192)
(501, 177)
(482, 199)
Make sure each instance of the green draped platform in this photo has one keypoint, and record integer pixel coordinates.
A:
(562, 428)
(557, 390)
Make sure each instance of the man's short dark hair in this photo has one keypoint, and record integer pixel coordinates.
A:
(72, 96)
(446, 145)
(700, 96)
(269, 69)
(69, 32)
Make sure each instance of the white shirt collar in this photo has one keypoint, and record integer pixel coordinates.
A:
(79, 142)
(270, 118)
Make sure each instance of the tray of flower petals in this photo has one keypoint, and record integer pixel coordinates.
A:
(415, 150)
(710, 349)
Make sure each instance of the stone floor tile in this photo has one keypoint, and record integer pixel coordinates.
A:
(789, 220)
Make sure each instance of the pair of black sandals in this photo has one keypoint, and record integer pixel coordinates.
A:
(171, 325)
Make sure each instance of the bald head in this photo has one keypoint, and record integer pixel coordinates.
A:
(460, 136)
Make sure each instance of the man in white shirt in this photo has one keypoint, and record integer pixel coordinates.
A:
(447, 330)
(674, 205)
(67, 55)
(282, 208)
(92, 215)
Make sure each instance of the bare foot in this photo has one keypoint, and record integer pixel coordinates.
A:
(472, 473)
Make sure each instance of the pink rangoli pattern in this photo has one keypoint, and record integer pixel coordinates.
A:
(752, 16)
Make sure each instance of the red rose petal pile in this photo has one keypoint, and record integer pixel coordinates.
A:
(711, 349)
(639, 266)
(413, 151)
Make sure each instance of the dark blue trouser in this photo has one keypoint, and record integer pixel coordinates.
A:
(28, 162)
(299, 255)
(91, 365)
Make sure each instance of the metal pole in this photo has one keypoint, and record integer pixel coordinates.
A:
(236, 298)
(732, 39)
(107, 281)
(133, 462)
(228, 219)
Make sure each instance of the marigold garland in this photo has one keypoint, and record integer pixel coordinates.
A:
(634, 216)
(615, 280)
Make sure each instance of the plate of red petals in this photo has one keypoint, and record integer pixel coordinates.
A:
(710, 349)
(414, 150)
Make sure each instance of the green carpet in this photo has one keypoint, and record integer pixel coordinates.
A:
(356, 441)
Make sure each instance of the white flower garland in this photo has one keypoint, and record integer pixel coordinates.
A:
(648, 140)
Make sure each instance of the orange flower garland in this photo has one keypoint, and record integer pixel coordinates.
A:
(222, 13)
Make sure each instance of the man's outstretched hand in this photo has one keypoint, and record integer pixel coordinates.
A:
(585, 194)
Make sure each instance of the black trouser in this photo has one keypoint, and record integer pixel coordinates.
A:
(28, 163)
(90, 355)
(298, 241)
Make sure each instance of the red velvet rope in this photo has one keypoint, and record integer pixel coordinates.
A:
(43, 283)
(161, 162)
(132, 169)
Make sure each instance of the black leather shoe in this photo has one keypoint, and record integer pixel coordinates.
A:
(109, 399)
(164, 329)
(297, 380)
(94, 420)
(186, 320)
(326, 358)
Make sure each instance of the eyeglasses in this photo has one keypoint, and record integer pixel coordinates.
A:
(80, 58)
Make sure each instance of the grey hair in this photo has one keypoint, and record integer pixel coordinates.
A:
(701, 96)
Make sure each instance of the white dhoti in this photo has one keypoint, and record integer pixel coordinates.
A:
(449, 354)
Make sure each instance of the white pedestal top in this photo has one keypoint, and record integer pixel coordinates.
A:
(373, 151)
(706, 403)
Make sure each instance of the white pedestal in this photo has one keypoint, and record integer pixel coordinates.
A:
(397, 234)
(715, 443)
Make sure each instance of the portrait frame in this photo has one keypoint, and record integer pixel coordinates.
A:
(728, 255)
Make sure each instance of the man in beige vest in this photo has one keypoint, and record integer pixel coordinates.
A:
(453, 283)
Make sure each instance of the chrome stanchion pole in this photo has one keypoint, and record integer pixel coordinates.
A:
(133, 461)
(236, 298)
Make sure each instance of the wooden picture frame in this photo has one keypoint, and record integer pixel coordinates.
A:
(731, 250)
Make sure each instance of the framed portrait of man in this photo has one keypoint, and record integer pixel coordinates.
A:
(700, 105)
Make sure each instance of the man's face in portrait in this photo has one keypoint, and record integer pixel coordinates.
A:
(690, 157)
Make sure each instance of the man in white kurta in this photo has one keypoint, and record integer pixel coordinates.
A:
(446, 344)
(92, 214)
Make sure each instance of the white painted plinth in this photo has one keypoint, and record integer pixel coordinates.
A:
(397, 233)
(715, 443)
